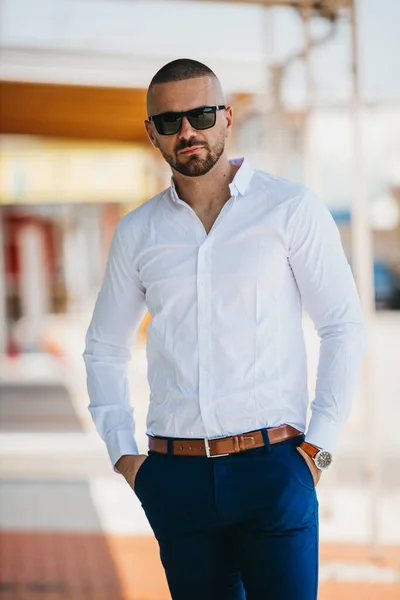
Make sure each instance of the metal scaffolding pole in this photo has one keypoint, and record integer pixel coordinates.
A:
(308, 166)
(362, 260)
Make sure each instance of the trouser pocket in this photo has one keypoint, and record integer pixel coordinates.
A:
(294, 462)
(302, 470)
(141, 475)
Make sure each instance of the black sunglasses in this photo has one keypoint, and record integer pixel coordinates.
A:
(169, 123)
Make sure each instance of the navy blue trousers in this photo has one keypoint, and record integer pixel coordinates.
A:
(243, 526)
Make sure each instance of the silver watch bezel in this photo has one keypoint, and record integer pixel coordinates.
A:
(317, 457)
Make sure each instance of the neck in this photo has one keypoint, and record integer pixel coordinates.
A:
(208, 190)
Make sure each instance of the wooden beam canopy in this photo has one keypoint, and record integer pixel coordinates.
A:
(72, 111)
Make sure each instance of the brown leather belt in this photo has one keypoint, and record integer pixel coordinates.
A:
(222, 446)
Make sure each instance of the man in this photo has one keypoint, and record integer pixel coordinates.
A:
(223, 260)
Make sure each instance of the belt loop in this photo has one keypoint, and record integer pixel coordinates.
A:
(170, 447)
(267, 443)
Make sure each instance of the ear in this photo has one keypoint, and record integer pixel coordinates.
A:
(229, 120)
(150, 132)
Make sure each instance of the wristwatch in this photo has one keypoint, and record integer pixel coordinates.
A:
(322, 458)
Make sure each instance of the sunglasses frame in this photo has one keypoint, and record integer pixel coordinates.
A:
(187, 114)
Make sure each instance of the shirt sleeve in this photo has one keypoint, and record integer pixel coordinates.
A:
(328, 291)
(118, 312)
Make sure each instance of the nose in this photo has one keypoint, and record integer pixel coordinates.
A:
(186, 131)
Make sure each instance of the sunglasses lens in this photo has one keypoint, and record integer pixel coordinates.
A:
(202, 119)
(168, 123)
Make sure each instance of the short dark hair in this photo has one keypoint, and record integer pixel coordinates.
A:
(180, 70)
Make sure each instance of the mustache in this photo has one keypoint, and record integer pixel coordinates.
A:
(183, 144)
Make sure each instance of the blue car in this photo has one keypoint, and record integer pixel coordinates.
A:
(386, 285)
(386, 280)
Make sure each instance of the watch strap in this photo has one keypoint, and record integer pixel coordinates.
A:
(309, 449)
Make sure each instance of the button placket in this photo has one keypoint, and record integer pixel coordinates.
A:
(204, 334)
(204, 270)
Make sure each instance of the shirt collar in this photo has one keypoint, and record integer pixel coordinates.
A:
(239, 183)
(174, 193)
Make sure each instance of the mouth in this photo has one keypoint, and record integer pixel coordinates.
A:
(191, 150)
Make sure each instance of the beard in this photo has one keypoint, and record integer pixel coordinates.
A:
(194, 165)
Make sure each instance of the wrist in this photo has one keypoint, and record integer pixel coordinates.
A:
(322, 458)
(124, 462)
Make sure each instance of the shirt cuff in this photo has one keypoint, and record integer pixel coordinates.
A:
(322, 433)
(120, 442)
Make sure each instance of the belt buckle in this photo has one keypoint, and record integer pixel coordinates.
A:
(208, 450)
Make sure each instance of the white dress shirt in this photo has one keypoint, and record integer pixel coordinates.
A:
(225, 346)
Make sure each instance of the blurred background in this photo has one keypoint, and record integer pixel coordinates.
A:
(315, 87)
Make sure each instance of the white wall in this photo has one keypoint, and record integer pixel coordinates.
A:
(123, 42)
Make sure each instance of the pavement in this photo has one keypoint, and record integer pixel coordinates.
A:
(70, 528)
(56, 566)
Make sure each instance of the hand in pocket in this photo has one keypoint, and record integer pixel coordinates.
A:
(316, 473)
(129, 465)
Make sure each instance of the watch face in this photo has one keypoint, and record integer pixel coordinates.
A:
(323, 459)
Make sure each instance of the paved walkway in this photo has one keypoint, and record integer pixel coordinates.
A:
(61, 566)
